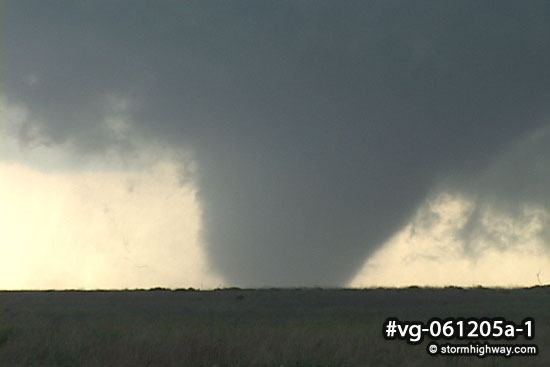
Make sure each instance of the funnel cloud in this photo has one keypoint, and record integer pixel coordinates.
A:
(316, 129)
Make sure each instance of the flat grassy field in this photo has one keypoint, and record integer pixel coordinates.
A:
(266, 327)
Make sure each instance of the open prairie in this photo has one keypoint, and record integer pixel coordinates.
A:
(265, 327)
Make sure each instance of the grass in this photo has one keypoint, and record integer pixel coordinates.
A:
(269, 327)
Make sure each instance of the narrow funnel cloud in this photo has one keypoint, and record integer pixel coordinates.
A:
(317, 129)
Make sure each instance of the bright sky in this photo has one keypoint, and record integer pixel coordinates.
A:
(133, 229)
(431, 255)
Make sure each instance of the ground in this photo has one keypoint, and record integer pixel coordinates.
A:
(265, 327)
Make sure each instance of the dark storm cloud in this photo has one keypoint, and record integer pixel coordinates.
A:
(318, 127)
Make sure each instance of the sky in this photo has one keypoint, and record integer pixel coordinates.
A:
(278, 143)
